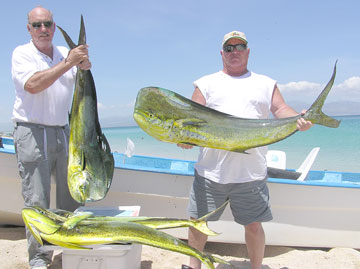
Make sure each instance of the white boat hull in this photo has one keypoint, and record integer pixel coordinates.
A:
(304, 215)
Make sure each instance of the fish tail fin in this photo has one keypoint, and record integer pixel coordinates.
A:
(201, 223)
(207, 216)
(68, 40)
(315, 114)
(325, 120)
(202, 226)
(82, 35)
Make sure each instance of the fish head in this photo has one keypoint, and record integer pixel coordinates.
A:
(79, 185)
(152, 123)
(38, 222)
(153, 112)
(85, 186)
(50, 214)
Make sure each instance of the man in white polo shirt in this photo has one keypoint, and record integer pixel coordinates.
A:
(44, 78)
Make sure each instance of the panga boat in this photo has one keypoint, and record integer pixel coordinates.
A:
(318, 209)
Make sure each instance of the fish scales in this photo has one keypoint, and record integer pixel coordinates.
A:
(90, 163)
(173, 118)
(125, 232)
(52, 227)
(67, 217)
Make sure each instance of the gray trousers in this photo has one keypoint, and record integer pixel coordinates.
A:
(42, 151)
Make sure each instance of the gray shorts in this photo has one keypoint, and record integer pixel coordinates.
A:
(249, 201)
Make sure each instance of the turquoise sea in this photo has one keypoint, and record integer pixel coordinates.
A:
(339, 147)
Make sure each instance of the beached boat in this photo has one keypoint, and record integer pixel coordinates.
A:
(319, 209)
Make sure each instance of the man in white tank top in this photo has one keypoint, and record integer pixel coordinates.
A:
(223, 175)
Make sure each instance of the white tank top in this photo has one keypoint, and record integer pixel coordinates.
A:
(247, 96)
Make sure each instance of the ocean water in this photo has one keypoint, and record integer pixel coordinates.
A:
(339, 147)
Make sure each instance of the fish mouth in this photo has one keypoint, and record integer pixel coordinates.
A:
(140, 118)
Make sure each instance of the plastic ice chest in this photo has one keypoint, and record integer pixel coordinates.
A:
(126, 256)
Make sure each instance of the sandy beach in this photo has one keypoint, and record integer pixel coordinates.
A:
(13, 255)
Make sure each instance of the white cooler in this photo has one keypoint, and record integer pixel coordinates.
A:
(126, 256)
(103, 257)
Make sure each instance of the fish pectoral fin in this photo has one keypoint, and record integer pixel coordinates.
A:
(239, 150)
(189, 122)
(188, 143)
(73, 220)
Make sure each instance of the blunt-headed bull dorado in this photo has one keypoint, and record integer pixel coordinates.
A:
(70, 219)
(90, 163)
(173, 118)
(77, 232)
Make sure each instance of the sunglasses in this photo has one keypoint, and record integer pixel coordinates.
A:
(37, 25)
(238, 47)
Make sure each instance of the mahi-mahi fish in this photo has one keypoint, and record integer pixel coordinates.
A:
(82, 235)
(170, 117)
(70, 219)
(90, 163)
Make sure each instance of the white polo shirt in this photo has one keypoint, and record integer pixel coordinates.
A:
(51, 106)
(247, 96)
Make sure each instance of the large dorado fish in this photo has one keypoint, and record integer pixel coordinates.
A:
(69, 219)
(80, 235)
(90, 163)
(173, 118)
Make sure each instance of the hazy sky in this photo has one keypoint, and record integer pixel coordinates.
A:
(134, 44)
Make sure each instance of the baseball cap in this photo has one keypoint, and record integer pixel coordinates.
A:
(234, 34)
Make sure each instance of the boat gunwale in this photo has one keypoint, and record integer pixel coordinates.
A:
(134, 167)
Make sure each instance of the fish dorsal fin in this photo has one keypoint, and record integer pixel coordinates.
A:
(105, 143)
(72, 221)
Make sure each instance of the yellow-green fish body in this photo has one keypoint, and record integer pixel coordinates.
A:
(70, 220)
(90, 163)
(82, 235)
(173, 118)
